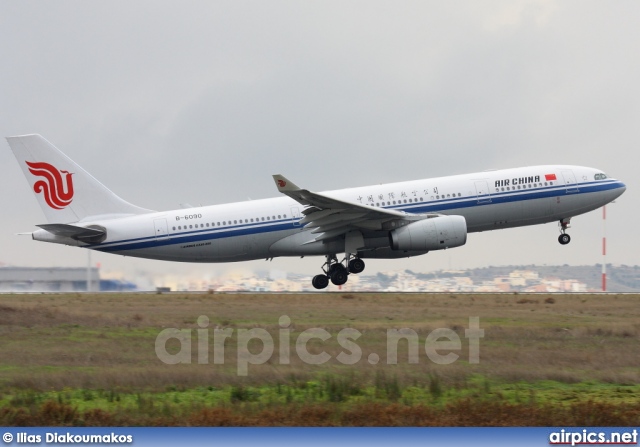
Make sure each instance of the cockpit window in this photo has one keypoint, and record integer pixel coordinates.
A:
(600, 176)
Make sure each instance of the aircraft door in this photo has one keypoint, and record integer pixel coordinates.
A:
(482, 191)
(161, 229)
(295, 214)
(570, 181)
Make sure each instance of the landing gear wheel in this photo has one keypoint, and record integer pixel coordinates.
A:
(320, 281)
(356, 265)
(334, 271)
(564, 239)
(339, 276)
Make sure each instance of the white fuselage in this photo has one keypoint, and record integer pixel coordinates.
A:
(270, 227)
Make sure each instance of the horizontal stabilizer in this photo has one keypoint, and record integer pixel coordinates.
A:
(74, 232)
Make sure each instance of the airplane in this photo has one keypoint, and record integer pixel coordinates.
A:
(387, 221)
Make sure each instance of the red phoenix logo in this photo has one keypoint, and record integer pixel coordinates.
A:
(282, 183)
(57, 194)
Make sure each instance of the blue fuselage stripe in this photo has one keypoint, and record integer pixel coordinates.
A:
(444, 205)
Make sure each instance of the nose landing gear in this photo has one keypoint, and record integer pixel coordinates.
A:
(564, 238)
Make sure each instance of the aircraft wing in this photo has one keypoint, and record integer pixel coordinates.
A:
(333, 217)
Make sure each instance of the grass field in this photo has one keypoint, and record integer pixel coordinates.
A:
(90, 359)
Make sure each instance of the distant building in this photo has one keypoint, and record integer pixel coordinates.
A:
(56, 279)
(529, 275)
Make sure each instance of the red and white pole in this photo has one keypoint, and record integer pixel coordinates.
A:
(604, 249)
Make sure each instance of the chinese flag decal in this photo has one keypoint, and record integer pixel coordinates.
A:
(550, 177)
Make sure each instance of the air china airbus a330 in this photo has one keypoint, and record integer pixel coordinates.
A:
(395, 220)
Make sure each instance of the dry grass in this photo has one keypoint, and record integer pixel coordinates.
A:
(104, 340)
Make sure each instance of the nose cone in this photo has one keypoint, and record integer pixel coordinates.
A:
(618, 190)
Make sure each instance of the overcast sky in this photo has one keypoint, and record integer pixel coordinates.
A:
(200, 102)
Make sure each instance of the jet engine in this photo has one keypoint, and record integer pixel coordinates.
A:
(434, 233)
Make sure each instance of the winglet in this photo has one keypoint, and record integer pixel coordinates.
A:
(284, 184)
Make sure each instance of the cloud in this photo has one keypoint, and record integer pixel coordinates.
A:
(197, 102)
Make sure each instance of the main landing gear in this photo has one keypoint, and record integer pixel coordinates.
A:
(564, 238)
(337, 272)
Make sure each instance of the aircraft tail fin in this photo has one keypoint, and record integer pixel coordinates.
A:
(66, 192)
